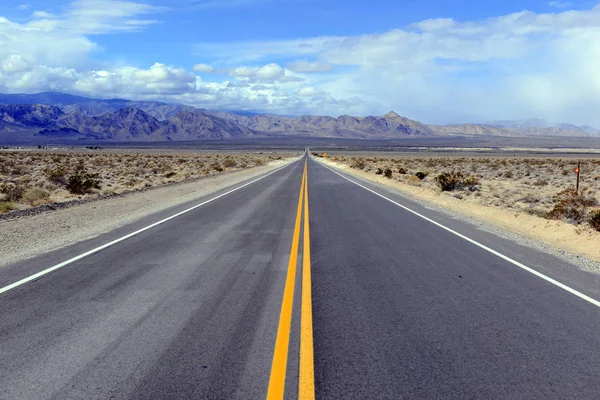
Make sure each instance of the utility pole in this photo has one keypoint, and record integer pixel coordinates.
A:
(578, 170)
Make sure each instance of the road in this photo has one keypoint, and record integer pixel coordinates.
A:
(227, 300)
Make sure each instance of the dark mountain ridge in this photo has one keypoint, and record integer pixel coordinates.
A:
(52, 114)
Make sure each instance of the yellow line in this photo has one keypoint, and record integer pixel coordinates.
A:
(306, 381)
(279, 365)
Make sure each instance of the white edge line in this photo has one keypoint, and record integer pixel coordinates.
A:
(476, 243)
(109, 244)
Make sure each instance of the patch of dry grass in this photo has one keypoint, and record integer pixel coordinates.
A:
(32, 178)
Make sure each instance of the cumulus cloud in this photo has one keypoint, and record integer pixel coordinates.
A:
(203, 68)
(518, 65)
(266, 74)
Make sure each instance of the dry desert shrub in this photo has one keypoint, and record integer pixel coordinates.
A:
(33, 177)
(6, 206)
(36, 196)
(595, 220)
(12, 192)
(529, 185)
(571, 206)
(414, 180)
(359, 163)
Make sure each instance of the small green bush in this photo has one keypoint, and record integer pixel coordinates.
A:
(379, 171)
(229, 163)
(359, 163)
(472, 183)
(571, 206)
(421, 175)
(595, 220)
(387, 173)
(6, 206)
(12, 191)
(82, 182)
(402, 171)
(57, 175)
(217, 167)
(448, 181)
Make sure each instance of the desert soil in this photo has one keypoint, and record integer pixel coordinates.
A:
(30, 178)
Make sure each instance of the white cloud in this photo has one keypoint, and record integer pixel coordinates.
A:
(518, 65)
(304, 66)
(440, 70)
(560, 4)
(269, 73)
(203, 68)
(308, 91)
(42, 14)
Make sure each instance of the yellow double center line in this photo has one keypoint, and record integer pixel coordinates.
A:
(306, 380)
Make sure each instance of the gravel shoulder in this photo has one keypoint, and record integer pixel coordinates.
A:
(32, 235)
(574, 244)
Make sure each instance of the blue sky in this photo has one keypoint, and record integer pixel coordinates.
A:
(436, 61)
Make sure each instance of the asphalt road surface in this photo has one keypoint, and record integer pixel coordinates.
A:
(227, 300)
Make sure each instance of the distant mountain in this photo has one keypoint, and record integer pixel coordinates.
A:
(472, 130)
(18, 117)
(540, 127)
(77, 104)
(387, 126)
(125, 124)
(67, 116)
(523, 128)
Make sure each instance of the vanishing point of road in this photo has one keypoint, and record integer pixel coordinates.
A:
(301, 283)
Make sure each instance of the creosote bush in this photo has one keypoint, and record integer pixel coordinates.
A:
(12, 192)
(448, 181)
(387, 173)
(571, 206)
(217, 167)
(229, 163)
(379, 171)
(421, 175)
(6, 206)
(82, 182)
(57, 175)
(595, 220)
(359, 163)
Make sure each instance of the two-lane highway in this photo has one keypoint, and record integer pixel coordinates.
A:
(301, 271)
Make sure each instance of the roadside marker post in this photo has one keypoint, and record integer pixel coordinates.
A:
(578, 171)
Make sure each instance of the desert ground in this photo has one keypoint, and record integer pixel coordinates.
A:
(32, 177)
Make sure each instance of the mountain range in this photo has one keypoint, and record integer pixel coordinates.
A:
(66, 117)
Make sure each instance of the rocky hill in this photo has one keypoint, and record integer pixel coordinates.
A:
(75, 117)
(388, 126)
(130, 123)
(125, 124)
